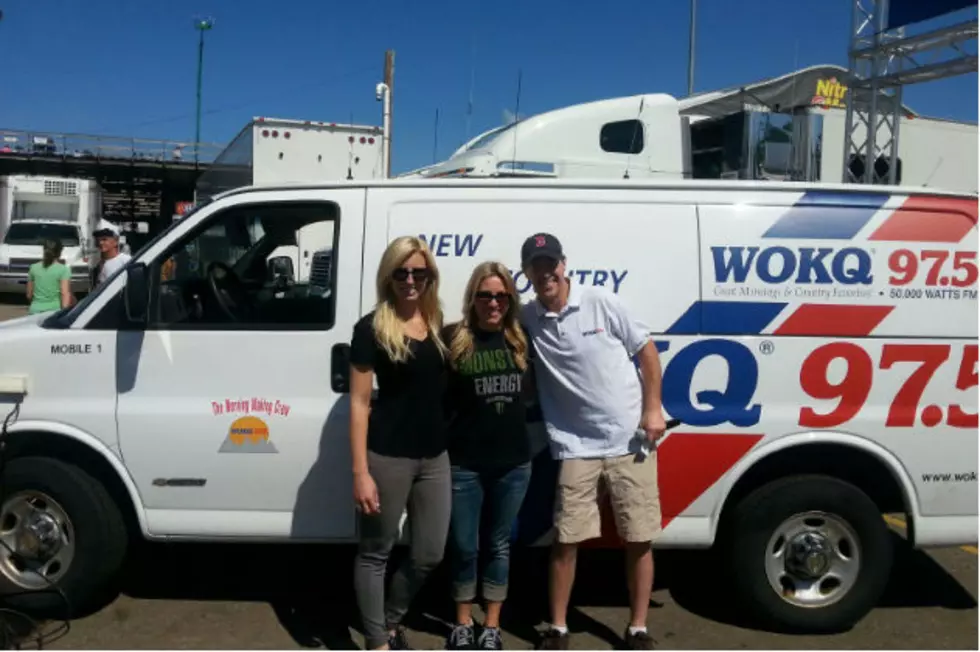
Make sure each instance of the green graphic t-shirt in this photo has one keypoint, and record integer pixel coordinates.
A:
(486, 405)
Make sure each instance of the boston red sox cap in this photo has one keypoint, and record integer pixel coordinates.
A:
(541, 245)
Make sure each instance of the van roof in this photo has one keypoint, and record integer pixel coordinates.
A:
(603, 184)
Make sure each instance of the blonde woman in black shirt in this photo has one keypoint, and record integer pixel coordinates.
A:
(489, 447)
(398, 446)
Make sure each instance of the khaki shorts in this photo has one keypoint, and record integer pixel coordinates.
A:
(633, 493)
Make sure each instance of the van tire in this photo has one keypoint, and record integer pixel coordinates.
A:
(100, 539)
(775, 507)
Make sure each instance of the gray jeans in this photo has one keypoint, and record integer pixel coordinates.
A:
(425, 488)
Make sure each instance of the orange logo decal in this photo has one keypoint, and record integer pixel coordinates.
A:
(248, 435)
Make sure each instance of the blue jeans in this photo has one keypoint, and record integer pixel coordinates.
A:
(504, 492)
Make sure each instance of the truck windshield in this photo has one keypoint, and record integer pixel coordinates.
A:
(62, 211)
(35, 234)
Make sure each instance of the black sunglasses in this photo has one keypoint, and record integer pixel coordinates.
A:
(402, 273)
(501, 297)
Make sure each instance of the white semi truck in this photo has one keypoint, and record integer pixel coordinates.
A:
(34, 209)
(790, 128)
(274, 151)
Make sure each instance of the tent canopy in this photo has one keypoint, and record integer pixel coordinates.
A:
(825, 86)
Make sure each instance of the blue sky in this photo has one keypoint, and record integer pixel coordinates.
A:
(127, 67)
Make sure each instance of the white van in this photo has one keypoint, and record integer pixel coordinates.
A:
(819, 345)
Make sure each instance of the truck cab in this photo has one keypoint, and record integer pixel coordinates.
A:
(787, 128)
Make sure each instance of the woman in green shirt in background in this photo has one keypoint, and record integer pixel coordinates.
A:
(48, 281)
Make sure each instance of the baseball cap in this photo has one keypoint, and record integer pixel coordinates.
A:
(106, 229)
(541, 245)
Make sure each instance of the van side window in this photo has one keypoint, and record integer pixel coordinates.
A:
(251, 267)
(624, 137)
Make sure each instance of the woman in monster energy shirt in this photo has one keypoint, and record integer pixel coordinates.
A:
(489, 448)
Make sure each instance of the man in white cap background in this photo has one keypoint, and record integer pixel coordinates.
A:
(107, 237)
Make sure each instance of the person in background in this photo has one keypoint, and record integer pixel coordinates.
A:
(49, 281)
(489, 447)
(398, 445)
(107, 237)
(604, 419)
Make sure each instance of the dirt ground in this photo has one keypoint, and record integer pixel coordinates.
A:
(287, 597)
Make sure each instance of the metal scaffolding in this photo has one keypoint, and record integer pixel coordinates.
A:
(881, 61)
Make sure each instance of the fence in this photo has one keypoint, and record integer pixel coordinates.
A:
(110, 148)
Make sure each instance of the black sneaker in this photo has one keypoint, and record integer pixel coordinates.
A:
(639, 641)
(553, 640)
(463, 637)
(397, 640)
(490, 639)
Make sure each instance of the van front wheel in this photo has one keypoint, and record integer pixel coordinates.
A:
(809, 554)
(62, 538)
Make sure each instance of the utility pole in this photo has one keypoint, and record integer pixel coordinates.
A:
(389, 81)
(201, 26)
(690, 48)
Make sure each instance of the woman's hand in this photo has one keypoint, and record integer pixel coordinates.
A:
(366, 494)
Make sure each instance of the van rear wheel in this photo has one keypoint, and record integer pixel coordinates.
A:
(62, 539)
(809, 554)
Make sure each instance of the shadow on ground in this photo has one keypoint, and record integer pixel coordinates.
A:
(309, 587)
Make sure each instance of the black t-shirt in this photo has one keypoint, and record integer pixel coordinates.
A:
(485, 404)
(407, 420)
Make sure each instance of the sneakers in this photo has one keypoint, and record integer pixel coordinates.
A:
(490, 639)
(638, 641)
(397, 640)
(553, 640)
(463, 637)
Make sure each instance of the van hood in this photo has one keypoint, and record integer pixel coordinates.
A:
(22, 323)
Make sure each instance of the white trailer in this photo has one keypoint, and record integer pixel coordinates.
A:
(789, 128)
(274, 151)
(34, 209)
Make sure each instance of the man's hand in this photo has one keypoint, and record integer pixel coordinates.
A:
(653, 425)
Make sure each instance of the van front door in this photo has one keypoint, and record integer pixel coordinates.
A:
(228, 418)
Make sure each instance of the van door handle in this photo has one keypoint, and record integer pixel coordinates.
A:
(340, 368)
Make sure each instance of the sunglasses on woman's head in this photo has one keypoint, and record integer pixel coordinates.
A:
(501, 297)
(402, 273)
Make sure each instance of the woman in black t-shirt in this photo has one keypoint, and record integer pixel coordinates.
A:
(489, 447)
(398, 445)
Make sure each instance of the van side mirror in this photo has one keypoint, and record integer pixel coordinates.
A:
(340, 368)
(281, 267)
(136, 294)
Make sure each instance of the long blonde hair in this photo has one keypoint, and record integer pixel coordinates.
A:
(461, 344)
(388, 327)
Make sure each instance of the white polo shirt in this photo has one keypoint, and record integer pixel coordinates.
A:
(590, 392)
(111, 266)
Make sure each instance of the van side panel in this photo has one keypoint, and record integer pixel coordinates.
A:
(862, 311)
(642, 250)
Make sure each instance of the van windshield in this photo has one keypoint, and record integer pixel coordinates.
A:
(21, 233)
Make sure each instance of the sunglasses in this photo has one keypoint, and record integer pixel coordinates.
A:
(500, 297)
(402, 273)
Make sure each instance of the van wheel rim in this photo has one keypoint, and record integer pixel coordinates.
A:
(813, 559)
(37, 540)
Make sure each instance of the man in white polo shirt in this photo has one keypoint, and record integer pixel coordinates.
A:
(603, 419)
(107, 237)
